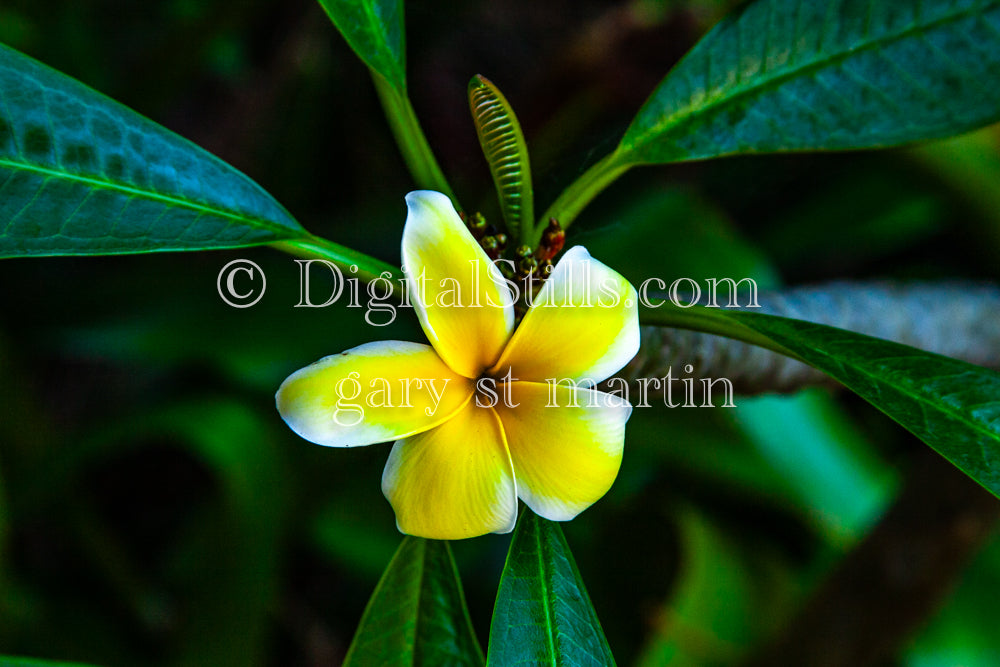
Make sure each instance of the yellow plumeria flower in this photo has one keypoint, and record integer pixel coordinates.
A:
(486, 414)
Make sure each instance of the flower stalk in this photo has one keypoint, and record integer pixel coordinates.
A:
(410, 138)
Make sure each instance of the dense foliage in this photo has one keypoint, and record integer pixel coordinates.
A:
(155, 510)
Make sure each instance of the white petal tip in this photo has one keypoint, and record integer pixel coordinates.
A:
(430, 198)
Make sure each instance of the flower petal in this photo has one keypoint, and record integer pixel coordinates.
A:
(460, 297)
(454, 481)
(372, 393)
(566, 444)
(583, 325)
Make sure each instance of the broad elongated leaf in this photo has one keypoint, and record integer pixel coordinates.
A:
(951, 405)
(81, 174)
(374, 29)
(543, 615)
(417, 615)
(788, 75)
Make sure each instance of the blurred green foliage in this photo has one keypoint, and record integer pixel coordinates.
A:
(153, 508)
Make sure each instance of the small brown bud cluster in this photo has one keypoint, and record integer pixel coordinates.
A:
(529, 273)
(529, 267)
(553, 240)
(493, 242)
(476, 224)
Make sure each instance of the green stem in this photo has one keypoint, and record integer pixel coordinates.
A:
(410, 138)
(580, 193)
(707, 320)
(356, 264)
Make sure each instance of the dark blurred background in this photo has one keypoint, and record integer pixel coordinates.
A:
(154, 509)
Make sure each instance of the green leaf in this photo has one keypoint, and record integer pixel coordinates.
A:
(417, 614)
(969, 167)
(791, 75)
(543, 615)
(81, 174)
(964, 630)
(713, 566)
(951, 405)
(836, 477)
(374, 29)
(224, 563)
(800, 75)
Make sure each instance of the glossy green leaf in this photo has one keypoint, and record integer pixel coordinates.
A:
(800, 75)
(417, 615)
(787, 75)
(951, 405)
(374, 29)
(81, 174)
(543, 615)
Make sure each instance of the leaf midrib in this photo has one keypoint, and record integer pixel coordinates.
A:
(543, 581)
(764, 81)
(397, 68)
(133, 191)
